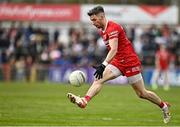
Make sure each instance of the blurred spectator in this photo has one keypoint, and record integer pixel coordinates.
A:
(28, 31)
(56, 35)
(4, 39)
(20, 69)
(6, 67)
(42, 67)
(30, 69)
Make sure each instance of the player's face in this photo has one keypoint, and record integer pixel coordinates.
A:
(96, 21)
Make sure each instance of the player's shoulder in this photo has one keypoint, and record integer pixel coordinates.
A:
(113, 25)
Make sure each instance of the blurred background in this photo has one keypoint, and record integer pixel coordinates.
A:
(45, 40)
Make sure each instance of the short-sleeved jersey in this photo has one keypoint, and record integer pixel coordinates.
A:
(125, 56)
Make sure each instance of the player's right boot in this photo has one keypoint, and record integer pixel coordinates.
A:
(79, 101)
(166, 113)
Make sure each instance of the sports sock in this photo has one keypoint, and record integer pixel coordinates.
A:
(163, 105)
(87, 98)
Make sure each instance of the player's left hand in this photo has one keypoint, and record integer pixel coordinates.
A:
(99, 71)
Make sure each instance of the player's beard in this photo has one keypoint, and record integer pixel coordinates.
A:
(100, 26)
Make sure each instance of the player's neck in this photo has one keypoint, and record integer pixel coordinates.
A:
(105, 22)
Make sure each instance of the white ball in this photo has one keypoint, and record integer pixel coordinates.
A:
(77, 78)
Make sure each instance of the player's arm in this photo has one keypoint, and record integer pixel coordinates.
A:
(113, 43)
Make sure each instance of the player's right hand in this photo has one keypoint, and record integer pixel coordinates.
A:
(99, 71)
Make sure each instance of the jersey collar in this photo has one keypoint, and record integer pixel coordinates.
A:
(105, 26)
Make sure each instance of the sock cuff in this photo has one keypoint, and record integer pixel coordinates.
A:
(162, 104)
(88, 98)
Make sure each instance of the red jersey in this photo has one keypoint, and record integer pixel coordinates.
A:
(125, 55)
(125, 58)
(164, 58)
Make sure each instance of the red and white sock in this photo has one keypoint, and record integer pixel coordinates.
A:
(87, 98)
(163, 105)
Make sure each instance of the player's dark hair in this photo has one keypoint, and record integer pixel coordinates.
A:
(96, 10)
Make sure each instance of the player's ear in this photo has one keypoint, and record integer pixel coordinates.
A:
(102, 15)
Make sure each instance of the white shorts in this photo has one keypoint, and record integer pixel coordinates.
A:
(117, 72)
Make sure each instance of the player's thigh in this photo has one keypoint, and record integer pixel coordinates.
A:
(137, 83)
(110, 73)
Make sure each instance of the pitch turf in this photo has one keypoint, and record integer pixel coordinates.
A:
(46, 104)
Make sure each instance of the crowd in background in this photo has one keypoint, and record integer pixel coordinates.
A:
(24, 50)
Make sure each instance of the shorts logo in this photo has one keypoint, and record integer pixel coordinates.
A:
(134, 69)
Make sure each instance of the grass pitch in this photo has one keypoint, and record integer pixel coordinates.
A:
(46, 104)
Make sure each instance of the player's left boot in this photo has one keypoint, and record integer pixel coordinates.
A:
(80, 101)
(166, 113)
